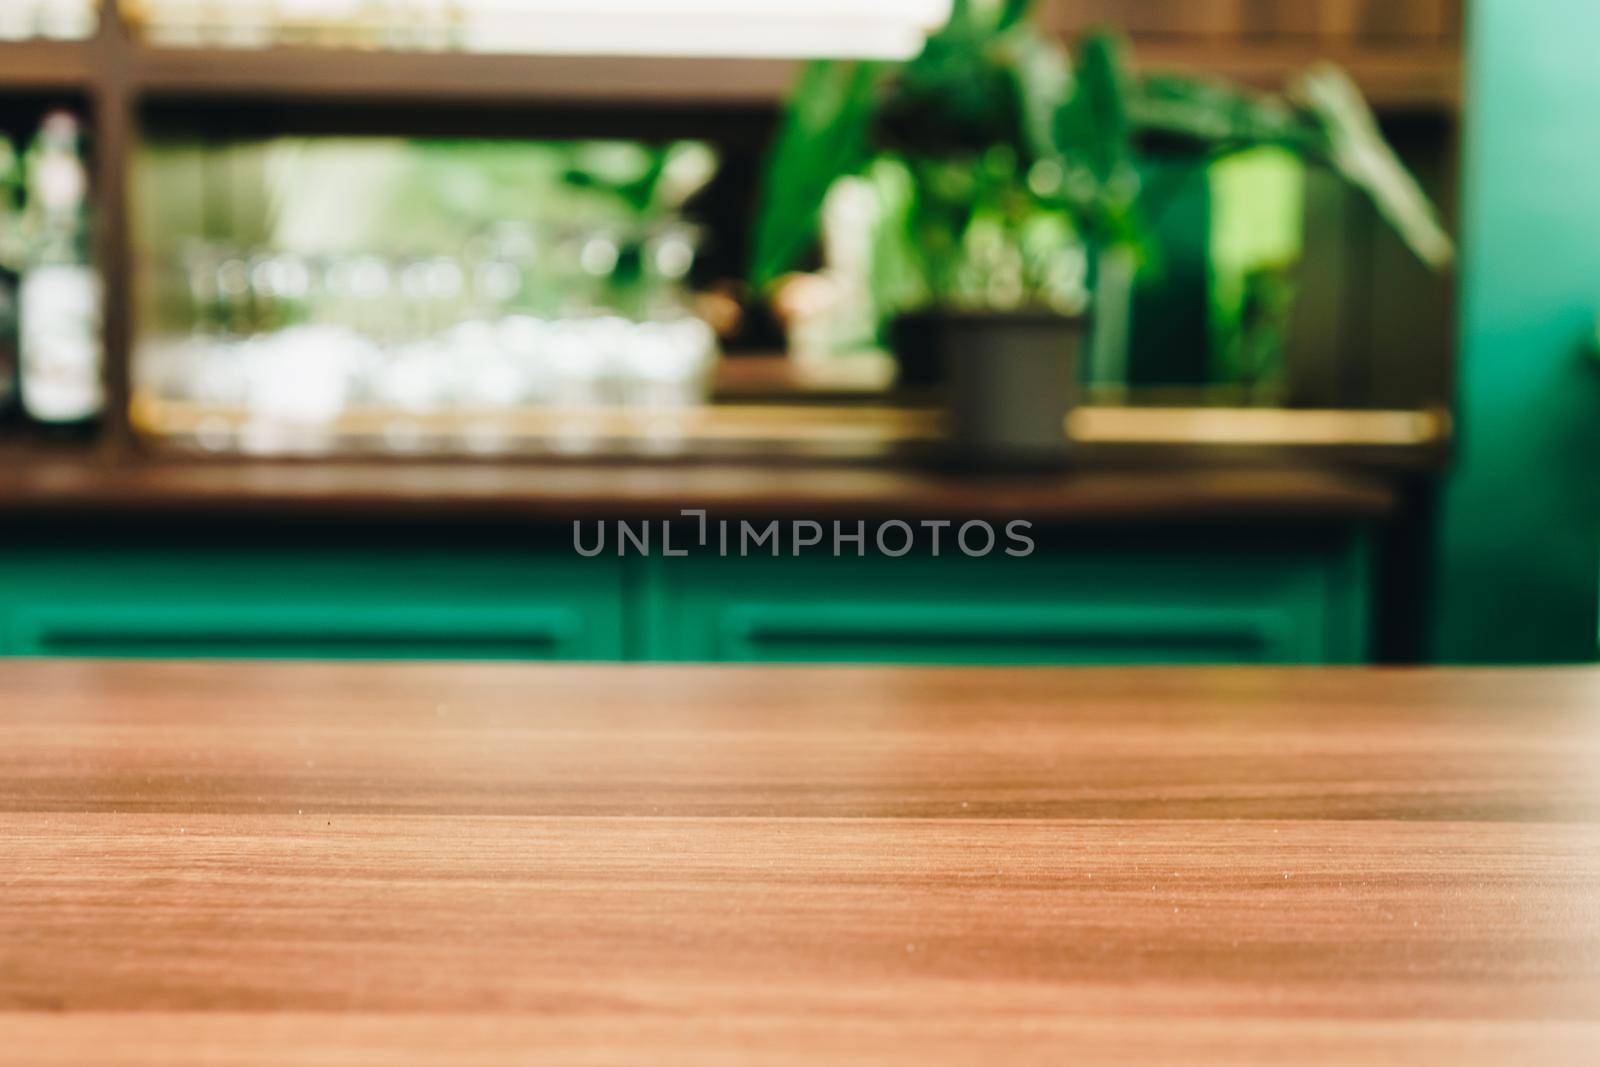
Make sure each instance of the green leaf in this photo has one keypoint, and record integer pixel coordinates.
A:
(1043, 84)
(899, 276)
(1102, 103)
(825, 136)
(958, 93)
(687, 167)
(1094, 142)
(1216, 116)
(1357, 150)
(962, 21)
(1013, 12)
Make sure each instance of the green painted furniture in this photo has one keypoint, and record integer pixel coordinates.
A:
(1198, 596)
(323, 600)
(1209, 595)
(1518, 577)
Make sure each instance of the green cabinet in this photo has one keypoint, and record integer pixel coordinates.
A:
(1208, 595)
(299, 600)
(1118, 598)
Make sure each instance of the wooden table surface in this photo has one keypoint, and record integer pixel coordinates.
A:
(341, 865)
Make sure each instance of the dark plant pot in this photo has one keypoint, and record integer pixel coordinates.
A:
(1009, 381)
(916, 342)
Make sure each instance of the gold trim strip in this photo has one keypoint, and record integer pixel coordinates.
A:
(839, 424)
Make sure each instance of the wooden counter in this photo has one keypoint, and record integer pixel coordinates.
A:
(67, 484)
(487, 865)
(771, 445)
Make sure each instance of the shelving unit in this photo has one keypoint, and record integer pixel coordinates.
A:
(120, 80)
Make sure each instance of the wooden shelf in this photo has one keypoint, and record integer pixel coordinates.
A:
(29, 66)
(321, 74)
(1393, 76)
(60, 484)
(1132, 464)
(855, 431)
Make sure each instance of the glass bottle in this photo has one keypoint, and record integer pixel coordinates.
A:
(10, 282)
(61, 343)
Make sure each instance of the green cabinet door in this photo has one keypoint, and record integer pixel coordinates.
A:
(1205, 595)
(338, 599)
(1201, 596)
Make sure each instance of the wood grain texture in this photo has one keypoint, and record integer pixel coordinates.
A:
(499, 864)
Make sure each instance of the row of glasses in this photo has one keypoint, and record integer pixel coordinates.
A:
(552, 273)
(305, 342)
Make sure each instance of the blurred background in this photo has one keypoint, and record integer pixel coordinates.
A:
(321, 321)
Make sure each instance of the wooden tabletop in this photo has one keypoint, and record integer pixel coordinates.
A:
(337, 865)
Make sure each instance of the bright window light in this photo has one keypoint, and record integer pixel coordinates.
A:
(889, 29)
(776, 29)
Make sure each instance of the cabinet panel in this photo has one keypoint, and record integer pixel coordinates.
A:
(1207, 595)
(1078, 633)
(1104, 600)
(345, 602)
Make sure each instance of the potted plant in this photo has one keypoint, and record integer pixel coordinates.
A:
(1008, 167)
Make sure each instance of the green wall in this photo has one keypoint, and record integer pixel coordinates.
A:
(1519, 562)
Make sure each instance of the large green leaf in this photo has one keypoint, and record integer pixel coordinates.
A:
(1094, 142)
(957, 96)
(1215, 116)
(1102, 104)
(1357, 150)
(1043, 83)
(1012, 13)
(1326, 118)
(826, 135)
